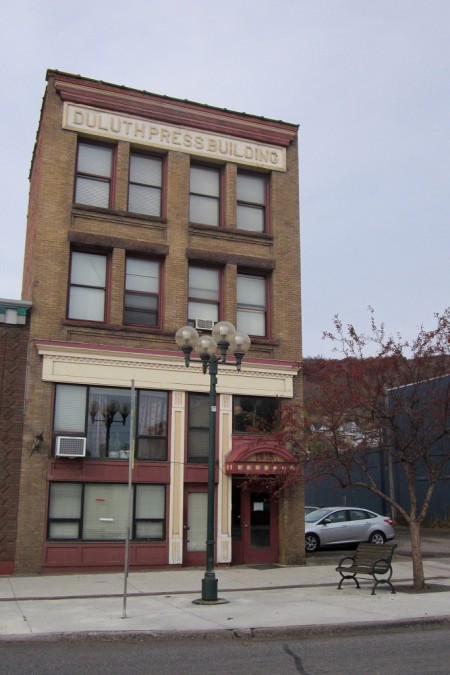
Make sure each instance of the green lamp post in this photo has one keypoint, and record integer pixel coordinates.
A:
(212, 350)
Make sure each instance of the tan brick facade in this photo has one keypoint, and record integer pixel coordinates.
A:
(56, 225)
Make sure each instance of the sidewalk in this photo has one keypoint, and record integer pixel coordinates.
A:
(262, 600)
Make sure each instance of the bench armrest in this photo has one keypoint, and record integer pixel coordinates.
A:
(381, 566)
(350, 558)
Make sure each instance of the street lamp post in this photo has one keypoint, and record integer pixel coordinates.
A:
(226, 339)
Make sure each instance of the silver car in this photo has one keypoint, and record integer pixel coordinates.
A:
(308, 509)
(345, 525)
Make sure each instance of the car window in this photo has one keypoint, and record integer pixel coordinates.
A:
(357, 514)
(337, 517)
(316, 515)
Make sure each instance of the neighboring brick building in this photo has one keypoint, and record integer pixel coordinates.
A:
(14, 336)
(147, 213)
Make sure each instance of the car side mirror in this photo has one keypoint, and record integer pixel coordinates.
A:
(326, 521)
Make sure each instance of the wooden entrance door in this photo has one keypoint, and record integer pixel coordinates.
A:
(254, 527)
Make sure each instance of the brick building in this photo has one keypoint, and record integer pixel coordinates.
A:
(14, 336)
(148, 213)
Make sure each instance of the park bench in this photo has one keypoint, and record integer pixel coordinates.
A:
(373, 560)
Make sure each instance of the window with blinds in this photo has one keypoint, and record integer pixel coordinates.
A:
(251, 317)
(87, 292)
(204, 294)
(145, 185)
(204, 197)
(94, 172)
(198, 431)
(142, 283)
(99, 512)
(251, 191)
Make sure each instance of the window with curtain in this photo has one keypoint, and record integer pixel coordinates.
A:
(204, 293)
(142, 283)
(251, 192)
(108, 422)
(145, 184)
(103, 416)
(152, 425)
(98, 511)
(87, 292)
(94, 172)
(204, 197)
(252, 304)
(198, 430)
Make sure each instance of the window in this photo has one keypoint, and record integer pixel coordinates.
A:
(152, 425)
(108, 422)
(142, 292)
(204, 293)
(251, 202)
(204, 202)
(251, 304)
(255, 414)
(145, 187)
(94, 170)
(98, 512)
(198, 433)
(103, 416)
(87, 292)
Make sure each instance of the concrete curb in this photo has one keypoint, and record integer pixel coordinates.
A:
(275, 633)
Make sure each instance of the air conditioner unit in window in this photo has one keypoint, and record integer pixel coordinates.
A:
(70, 446)
(204, 324)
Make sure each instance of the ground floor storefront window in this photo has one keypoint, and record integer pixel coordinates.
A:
(99, 511)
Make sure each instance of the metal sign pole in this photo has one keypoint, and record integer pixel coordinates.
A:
(130, 496)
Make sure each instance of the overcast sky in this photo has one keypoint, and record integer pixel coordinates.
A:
(367, 80)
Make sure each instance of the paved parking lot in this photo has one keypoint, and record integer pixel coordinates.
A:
(435, 544)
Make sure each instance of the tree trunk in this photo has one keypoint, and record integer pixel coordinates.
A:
(417, 561)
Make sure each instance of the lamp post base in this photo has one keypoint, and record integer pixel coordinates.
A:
(209, 591)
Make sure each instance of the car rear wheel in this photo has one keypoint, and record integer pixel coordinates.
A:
(377, 538)
(311, 543)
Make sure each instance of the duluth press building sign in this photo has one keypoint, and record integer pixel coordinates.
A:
(168, 137)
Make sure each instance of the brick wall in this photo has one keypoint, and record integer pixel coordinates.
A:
(13, 355)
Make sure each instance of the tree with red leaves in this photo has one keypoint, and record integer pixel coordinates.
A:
(384, 396)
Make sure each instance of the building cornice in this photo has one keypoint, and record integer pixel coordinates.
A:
(85, 91)
(79, 363)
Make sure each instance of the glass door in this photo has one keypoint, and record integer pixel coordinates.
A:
(254, 527)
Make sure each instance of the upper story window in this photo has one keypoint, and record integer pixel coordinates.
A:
(103, 415)
(204, 200)
(87, 293)
(145, 186)
(198, 431)
(255, 414)
(142, 283)
(94, 171)
(251, 192)
(252, 304)
(204, 294)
